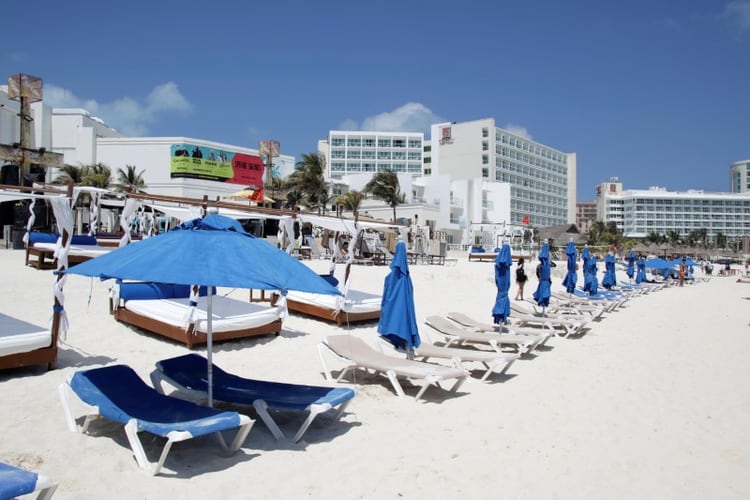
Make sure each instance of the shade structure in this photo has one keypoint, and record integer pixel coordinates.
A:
(609, 280)
(590, 281)
(398, 317)
(658, 263)
(503, 263)
(543, 291)
(214, 252)
(571, 277)
(640, 276)
(631, 265)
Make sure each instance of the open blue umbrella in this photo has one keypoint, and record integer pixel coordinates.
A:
(609, 280)
(631, 265)
(543, 291)
(213, 251)
(640, 276)
(571, 277)
(398, 318)
(503, 262)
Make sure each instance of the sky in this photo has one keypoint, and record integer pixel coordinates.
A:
(654, 92)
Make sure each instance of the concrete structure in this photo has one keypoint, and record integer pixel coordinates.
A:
(542, 179)
(640, 212)
(354, 152)
(585, 215)
(739, 176)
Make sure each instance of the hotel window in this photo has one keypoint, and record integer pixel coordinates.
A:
(368, 143)
(337, 141)
(354, 142)
(485, 146)
(399, 143)
(485, 160)
(384, 143)
(485, 173)
(485, 132)
(414, 143)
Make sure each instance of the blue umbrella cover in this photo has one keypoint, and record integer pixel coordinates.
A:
(571, 277)
(398, 318)
(503, 263)
(543, 291)
(609, 280)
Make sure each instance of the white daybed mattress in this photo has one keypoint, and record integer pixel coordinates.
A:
(18, 336)
(228, 314)
(355, 301)
(90, 251)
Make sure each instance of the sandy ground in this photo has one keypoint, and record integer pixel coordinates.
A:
(652, 402)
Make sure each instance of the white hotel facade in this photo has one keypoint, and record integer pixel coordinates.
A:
(639, 212)
(468, 177)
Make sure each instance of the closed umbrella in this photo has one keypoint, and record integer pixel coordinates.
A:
(640, 276)
(571, 277)
(631, 265)
(591, 282)
(213, 251)
(609, 280)
(398, 318)
(543, 291)
(503, 262)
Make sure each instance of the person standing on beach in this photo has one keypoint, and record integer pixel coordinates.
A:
(521, 279)
(683, 271)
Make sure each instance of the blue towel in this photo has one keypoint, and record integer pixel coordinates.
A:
(15, 482)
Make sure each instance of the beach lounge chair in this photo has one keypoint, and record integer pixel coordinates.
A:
(358, 354)
(458, 335)
(559, 306)
(188, 374)
(117, 393)
(494, 362)
(469, 322)
(15, 482)
(560, 326)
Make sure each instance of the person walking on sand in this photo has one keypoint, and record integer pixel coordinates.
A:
(521, 279)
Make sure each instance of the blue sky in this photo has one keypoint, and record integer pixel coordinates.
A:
(654, 92)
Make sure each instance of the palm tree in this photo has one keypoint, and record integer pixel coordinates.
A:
(308, 178)
(67, 173)
(595, 233)
(351, 200)
(385, 186)
(673, 237)
(97, 175)
(128, 181)
(293, 198)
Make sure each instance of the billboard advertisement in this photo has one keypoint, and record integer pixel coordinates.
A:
(202, 162)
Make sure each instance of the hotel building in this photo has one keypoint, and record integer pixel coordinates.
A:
(739, 176)
(639, 212)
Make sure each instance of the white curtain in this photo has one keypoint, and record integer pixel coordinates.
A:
(62, 208)
(128, 210)
(30, 223)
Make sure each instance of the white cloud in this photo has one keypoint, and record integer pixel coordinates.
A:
(126, 114)
(738, 14)
(518, 130)
(411, 117)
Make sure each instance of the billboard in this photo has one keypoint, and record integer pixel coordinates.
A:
(27, 86)
(202, 162)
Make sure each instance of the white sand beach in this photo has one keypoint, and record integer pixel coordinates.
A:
(652, 402)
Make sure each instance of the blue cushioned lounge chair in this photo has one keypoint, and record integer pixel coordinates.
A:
(15, 482)
(188, 374)
(118, 394)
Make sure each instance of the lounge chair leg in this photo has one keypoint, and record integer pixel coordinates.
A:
(314, 411)
(131, 431)
(262, 408)
(396, 386)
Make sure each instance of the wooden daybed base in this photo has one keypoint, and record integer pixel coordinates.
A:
(337, 316)
(189, 338)
(45, 356)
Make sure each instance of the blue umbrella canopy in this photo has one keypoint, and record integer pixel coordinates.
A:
(631, 264)
(398, 318)
(543, 291)
(640, 276)
(571, 277)
(213, 251)
(658, 263)
(503, 262)
(609, 280)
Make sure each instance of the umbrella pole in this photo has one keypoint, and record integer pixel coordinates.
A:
(209, 346)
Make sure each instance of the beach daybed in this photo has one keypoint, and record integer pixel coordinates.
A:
(15, 482)
(188, 375)
(162, 309)
(25, 344)
(118, 394)
(40, 251)
(357, 306)
(358, 354)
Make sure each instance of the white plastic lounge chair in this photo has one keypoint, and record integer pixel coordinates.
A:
(458, 335)
(559, 306)
(560, 326)
(469, 322)
(358, 354)
(188, 374)
(494, 362)
(118, 394)
(15, 482)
